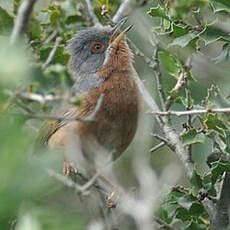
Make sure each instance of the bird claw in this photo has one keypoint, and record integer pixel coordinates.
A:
(113, 199)
(69, 169)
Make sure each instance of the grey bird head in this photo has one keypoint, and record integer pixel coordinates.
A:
(88, 49)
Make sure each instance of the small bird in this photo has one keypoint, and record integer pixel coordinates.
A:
(101, 64)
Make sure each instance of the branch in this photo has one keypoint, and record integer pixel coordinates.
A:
(92, 14)
(158, 137)
(170, 134)
(52, 53)
(80, 189)
(51, 36)
(156, 68)
(87, 119)
(42, 99)
(179, 84)
(191, 112)
(221, 220)
(22, 19)
(125, 5)
(155, 148)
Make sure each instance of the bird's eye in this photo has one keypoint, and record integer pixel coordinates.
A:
(97, 47)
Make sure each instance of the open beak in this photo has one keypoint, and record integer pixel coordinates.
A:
(118, 35)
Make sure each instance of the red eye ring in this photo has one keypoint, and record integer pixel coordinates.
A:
(97, 47)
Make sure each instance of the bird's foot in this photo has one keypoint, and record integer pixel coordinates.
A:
(113, 199)
(69, 169)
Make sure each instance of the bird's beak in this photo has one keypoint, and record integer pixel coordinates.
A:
(117, 36)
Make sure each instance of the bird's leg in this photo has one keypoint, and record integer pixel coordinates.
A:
(112, 199)
(69, 169)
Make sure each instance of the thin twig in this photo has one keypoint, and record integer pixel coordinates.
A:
(155, 148)
(157, 71)
(80, 189)
(52, 53)
(179, 84)
(91, 13)
(163, 139)
(191, 112)
(89, 118)
(188, 101)
(51, 36)
(22, 19)
(171, 135)
(42, 99)
(158, 137)
(125, 5)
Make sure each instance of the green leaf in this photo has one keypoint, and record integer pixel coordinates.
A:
(185, 201)
(179, 30)
(196, 181)
(158, 12)
(196, 209)
(224, 55)
(213, 122)
(213, 33)
(195, 226)
(185, 39)
(163, 214)
(219, 6)
(170, 63)
(180, 9)
(192, 137)
(55, 16)
(16, 4)
(6, 21)
(34, 29)
(183, 214)
(207, 182)
(218, 169)
(181, 100)
(73, 19)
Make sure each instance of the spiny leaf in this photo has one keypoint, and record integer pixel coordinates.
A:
(196, 181)
(192, 137)
(16, 4)
(158, 12)
(218, 6)
(213, 122)
(195, 226)
(213, 33)
(218, 169)
(170, 63)
(185, 39)
(224, 55)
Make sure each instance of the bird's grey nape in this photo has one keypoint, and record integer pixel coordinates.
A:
(86, 82)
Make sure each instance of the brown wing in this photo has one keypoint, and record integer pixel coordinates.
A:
(49, 127)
